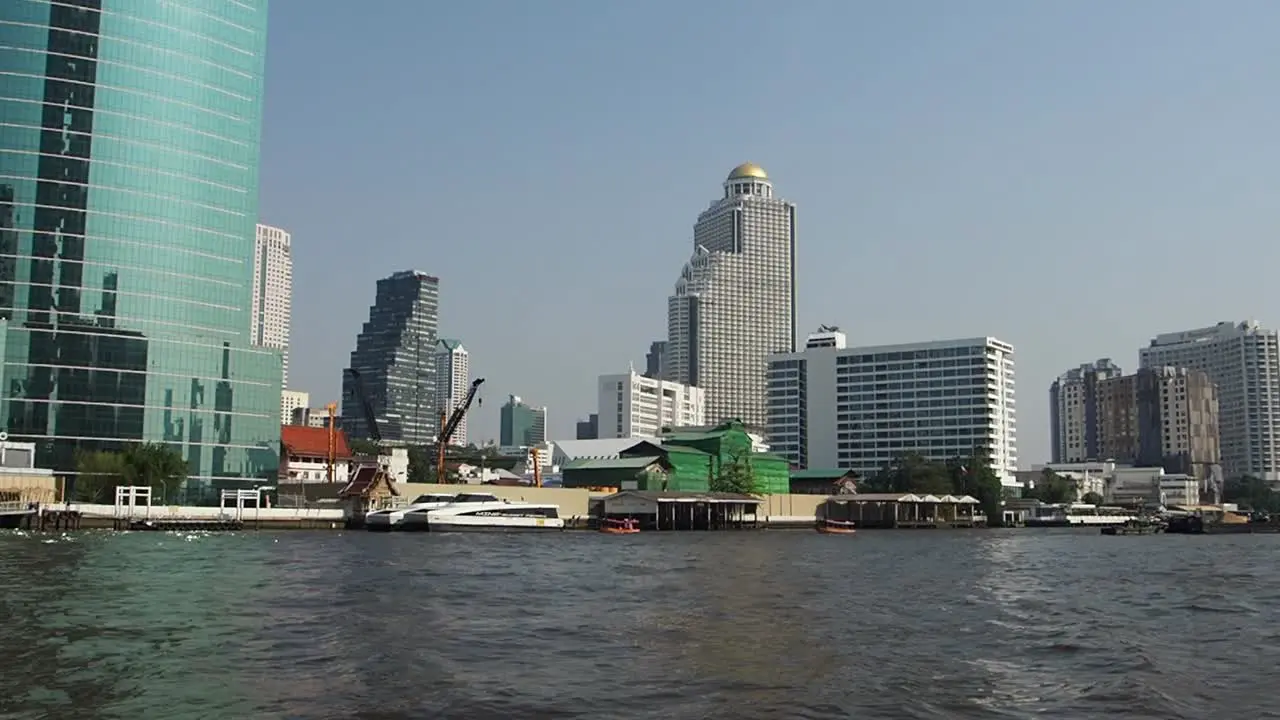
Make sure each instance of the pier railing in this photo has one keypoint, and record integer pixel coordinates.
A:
(15, 506)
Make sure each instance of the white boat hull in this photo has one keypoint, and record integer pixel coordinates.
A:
(384, 522)
(1080, 521)
(455, 523)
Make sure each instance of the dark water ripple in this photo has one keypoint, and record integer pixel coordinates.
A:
(1001, 624)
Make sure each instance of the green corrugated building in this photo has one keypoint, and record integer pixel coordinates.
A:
(651, 472)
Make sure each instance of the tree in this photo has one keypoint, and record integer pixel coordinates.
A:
(422, 465)
(97, 475)
(361, 446)
(152, 465)
(735, 476)
(1092, 498)
(1252, 493)
(975, 477)
(1053, 488)
(155, 465)
(911, 473)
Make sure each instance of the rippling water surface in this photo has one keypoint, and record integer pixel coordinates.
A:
(998, 624)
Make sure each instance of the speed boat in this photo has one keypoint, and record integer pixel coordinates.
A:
(494, 515)
(393, 518)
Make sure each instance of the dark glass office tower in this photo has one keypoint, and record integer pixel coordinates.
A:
(395, 357)
(129, 148)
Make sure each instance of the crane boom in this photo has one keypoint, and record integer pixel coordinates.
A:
(451, 426)
(366, 407)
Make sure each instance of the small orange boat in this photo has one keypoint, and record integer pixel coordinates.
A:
(614, 526)
(835, 527)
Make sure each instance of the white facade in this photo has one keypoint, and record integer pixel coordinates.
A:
(832, 406)
(734, 304)
(313, 470)
(631, 405)
(291, 400)
(1244, 361)
(273, 293)
(453, 380)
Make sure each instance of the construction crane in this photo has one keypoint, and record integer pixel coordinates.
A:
(366, 407)
(449, 425)
(332, 464)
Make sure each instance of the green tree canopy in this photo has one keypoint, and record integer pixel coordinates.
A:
(1053, 488)
(154, 465)
(735, 476)
(97, 475)
(914, 473)
(1251, 493)
(1092, 498)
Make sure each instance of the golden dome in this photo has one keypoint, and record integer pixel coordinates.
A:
(748, 170)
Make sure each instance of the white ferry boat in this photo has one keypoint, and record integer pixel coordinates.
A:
(498, 515)
(1079, 515)
(392, 518)
(416, 520)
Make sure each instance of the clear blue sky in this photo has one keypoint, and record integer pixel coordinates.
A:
(1071, 177)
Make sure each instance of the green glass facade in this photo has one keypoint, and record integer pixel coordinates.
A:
(129, 148)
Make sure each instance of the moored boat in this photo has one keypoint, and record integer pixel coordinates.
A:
(393, 518)
(619, 526)
(418, 519)
(499, 516)
(1136, 526)
(835, 527)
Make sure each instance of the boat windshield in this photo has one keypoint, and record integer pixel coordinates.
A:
(423, 499)
(475, 497)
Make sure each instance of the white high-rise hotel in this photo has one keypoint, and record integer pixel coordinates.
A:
(859, 408)
(734, 304)
(273, 294)
(453, 380)
(632, 405)
(1244, 361)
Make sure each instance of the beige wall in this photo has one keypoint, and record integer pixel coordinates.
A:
(791, 505)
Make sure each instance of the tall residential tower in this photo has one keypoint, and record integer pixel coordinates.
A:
(734, 304)
(273, 294)
(1243, 360)
(1074, 412)
(396, 357)
(453, 379)
(129, 154)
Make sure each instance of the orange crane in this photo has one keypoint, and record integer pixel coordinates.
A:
(449, 425)
(331, 465)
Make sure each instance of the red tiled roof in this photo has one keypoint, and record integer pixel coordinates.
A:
(311, 442)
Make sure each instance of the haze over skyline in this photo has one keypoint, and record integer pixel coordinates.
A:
(1051, 174)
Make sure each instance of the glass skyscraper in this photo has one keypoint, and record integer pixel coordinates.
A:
(129, 147)
(395, 357)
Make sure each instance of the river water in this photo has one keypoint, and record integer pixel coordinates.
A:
(965, 624)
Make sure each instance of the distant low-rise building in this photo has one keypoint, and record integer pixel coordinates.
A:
(304, 455)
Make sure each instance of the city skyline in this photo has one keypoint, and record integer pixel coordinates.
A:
(934, 187)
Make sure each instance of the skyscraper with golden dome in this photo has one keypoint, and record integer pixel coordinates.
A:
(734, 303)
